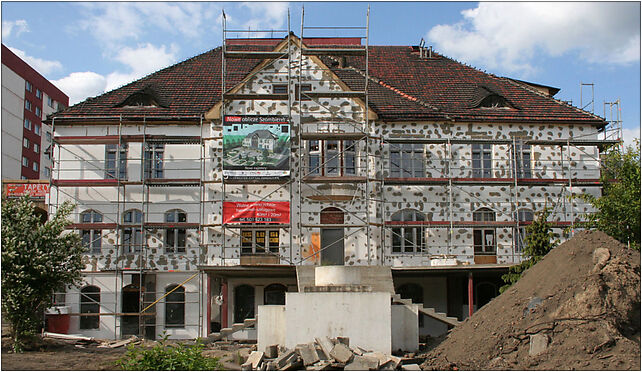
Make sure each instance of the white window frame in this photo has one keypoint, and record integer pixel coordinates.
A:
(25, 143)
(484, 246)
(411, 239)
(482, 154)
(35, 166)
(132, 238)
(36, 148)
(36, 129)
(25, 161)
(324, 159)
(92, 239)
(251, 244)
(27, 124)
(175, 246)
(407, 160)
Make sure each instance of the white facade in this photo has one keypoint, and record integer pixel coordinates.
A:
(13, 100)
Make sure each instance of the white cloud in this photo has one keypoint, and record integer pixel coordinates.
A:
(508, 34)
(628, 135)
(19, 25)
(258, 16)
(43, 66)
(80, 85)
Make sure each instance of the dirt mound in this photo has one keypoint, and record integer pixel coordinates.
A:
(578, 308)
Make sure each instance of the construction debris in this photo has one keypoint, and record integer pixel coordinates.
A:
(121, 343)
(325, 354)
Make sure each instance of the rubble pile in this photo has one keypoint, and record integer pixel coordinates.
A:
(325, 354)
(578, 308)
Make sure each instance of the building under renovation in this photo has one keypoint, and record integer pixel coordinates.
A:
(211, 187)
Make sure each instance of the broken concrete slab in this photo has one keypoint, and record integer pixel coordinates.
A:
(320, 366)
(326, 345)
(538, 344)
(344, 340)
(362, 363)
(410, 367)
(272, 351)
(308, 353)
(284, 358)
(341, 353)
(356, 351)
(322, 355)
(255, 358)
(381, 357)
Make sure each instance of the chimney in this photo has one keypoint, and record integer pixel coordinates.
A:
(342, 62)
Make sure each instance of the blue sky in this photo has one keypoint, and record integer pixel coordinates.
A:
(87, 48)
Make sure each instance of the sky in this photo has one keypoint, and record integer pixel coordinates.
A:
(87, 48)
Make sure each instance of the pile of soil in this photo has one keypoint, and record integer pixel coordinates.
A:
(578, 308)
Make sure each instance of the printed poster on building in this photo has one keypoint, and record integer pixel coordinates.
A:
(34, 190)
(256, 212)
(256, 146)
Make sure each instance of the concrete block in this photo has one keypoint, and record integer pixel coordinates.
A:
(320, 366)
(362, 363)
(308, 353)
(272, 326)
(272, 351)
(356, 351)
(344, 340)
(284, 358)
(538, 344)
(255, 358)
(271, 366)
(410, 367)
(326, 345)
(380, 357)
(341, 353)
(322, 355)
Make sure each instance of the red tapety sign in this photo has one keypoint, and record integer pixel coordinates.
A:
(256, 212)
(35, 190)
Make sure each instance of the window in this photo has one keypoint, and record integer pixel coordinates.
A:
(38, 112)
(26, 143)
(407, 160)
(35, 166)
(38, 93)
(36, 148)
(60, 106)
(25, 162)
(91, 239)
(243, 303)
(28, 86)
(154, 160)
(523, 160)
(175, 307)
(47, 172)
(523, 215)
(59, 297)
(280, 88)
(304, 88)
(482, 160)
(36, 128)
(132, 232)
(484, 237)
(27, 123)
(409, 238)
(274, 294)
(332, 158)
(28, 105)
(90, 304)
(259, 241)
(175, 237)
(115, 161)
(48, 136)
(494, 101)
(50, 102)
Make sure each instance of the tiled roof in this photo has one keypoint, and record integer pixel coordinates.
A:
(402, 86)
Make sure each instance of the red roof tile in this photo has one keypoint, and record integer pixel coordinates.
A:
(402, 86)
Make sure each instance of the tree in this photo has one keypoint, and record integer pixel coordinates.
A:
(618, 209)
(540, 239)
(37, 259)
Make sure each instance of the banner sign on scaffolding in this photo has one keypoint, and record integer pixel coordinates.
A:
(34, 190)
(256, 146)
(256, 212)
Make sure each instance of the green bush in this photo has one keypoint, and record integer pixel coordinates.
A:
(168, 357)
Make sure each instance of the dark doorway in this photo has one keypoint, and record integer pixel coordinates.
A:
(485, 292)
(243, 303)
(416, 294)
(129, 324)
(332, 248)
(274, 294)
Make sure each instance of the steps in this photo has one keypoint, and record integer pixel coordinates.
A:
(429, 311)
(225, 332)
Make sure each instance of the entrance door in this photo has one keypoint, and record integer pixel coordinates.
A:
(332, 248)
(129, 323)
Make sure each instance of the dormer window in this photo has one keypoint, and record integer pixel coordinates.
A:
(494, 101)
(141, 100)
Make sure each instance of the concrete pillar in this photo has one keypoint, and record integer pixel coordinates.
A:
(225, 303)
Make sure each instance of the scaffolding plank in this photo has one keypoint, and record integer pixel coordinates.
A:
(333, 135)
(256, 96)
(341, 179)
(334, 51)
(85, 182)
(254, 55)
(335, 94)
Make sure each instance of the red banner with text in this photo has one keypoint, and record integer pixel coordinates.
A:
(35, 190)
(256, 212)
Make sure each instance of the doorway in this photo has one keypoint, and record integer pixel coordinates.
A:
(129, 324)
(332, 248)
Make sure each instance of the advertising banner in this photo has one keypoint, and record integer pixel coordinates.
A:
(34, 190)
(256, 212)
(256, 146)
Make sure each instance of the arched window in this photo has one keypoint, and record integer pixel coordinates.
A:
(91, 238)
(90, 304)
(484, 237)
(494, 101)
(523, 215)
(132, 231)
(274, 294)
(243, 303)
(414, 292)
(408, 238)
(175, 307)
(174, 236)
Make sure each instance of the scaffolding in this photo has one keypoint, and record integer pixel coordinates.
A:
(124, 217)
